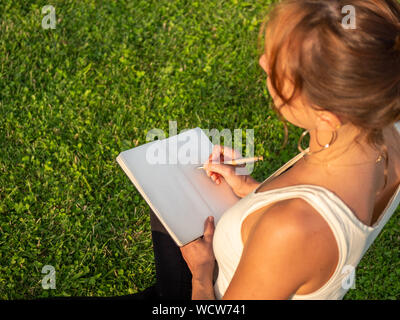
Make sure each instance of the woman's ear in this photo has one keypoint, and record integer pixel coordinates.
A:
(327, 121)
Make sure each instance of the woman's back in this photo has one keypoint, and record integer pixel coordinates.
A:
(351, 236)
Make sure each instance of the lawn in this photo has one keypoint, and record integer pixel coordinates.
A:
(72, 98)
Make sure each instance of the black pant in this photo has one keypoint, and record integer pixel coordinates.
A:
(173, 277)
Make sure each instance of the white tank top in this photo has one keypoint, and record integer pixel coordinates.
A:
(352, 236)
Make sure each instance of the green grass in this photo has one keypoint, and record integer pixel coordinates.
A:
(72, 98)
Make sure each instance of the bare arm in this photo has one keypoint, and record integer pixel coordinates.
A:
(282, 254)
(200, 259)
(203, 289)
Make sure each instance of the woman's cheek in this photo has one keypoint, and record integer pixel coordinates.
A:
(272, 92)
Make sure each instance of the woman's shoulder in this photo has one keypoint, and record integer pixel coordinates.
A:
(293, 225)
(295, 215)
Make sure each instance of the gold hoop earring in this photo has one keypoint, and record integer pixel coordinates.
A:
(333, 139)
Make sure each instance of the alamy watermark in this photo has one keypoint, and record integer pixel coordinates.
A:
(349, 281)
(49, 280)
(49, 20)
(349, 20)
(193, 148)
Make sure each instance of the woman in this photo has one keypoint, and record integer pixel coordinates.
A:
(294, 235)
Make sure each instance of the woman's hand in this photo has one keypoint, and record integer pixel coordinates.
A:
(199, 254)
(241, 184)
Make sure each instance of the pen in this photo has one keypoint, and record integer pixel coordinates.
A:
(235, 162)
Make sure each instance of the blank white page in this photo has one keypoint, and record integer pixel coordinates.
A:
(181, 195)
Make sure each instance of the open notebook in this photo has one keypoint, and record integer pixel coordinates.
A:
(182, 196)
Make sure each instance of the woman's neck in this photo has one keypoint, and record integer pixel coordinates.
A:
(343, 151)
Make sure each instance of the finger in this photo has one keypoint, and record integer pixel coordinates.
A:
(221, 169)
(215, 150)
(226, 152)
(209, 228)
(215, 176)
(217, 154)
(230, 153)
